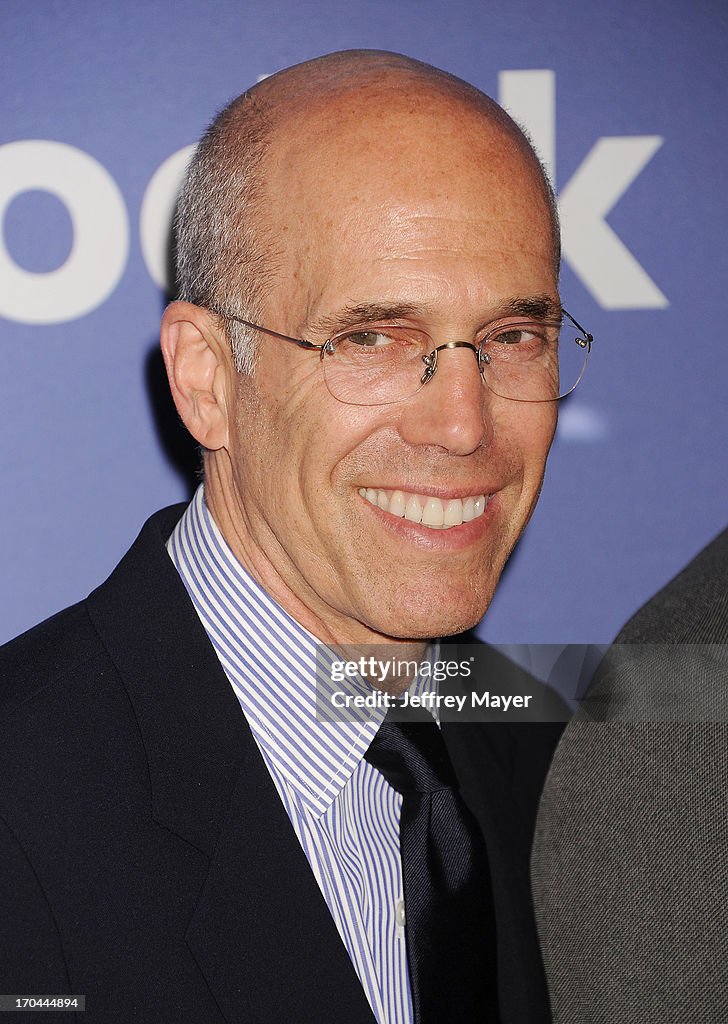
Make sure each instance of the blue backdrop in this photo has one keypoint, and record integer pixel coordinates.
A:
(626, 103)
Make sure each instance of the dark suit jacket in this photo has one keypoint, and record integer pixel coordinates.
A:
(146, 859)
(630, 861)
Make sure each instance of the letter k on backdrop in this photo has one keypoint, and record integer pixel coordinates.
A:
(595, 253)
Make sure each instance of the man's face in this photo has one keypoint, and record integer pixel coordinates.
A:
(438, 212)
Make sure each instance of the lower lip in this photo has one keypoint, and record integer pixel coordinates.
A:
(456, 538)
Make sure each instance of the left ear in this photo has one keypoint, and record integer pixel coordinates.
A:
(199, 370)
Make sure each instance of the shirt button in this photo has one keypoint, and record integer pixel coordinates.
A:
(399, 913)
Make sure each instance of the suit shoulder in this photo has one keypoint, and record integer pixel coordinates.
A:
(691, 608)
(68, 733)
(55, 648)
(44, 655)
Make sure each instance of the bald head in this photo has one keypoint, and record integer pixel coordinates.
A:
(325, 81)
(282, 133)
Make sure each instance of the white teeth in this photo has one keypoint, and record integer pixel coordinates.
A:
(397, 504)
(413, 510)
(454, 512)
(426, 509)
(434, 513)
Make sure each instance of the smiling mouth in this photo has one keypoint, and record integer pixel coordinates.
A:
(435, 513)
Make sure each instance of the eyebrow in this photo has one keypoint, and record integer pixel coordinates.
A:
(536, 307)
(365, 312)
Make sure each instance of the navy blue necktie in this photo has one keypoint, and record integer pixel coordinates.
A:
(449, 921)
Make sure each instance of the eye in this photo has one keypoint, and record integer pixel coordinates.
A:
(522, 340)
(516, 336)
(400, 344)
(369, 339)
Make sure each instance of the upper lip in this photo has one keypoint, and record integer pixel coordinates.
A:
(444, 493)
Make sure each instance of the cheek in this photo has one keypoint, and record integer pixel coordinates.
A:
(525, 431)
(537, 445)
(542, 425)
(299, 446)
(261, 447)
(330, 450)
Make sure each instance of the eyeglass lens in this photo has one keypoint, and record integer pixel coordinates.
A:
(522, 361)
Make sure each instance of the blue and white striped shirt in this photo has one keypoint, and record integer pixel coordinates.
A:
(346, 816)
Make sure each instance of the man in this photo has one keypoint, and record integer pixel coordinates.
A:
(368, 260)
(629, 862)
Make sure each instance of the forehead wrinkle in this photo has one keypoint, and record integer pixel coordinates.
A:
(476, 204)
(453, 252)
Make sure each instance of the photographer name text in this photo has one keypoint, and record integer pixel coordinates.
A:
(430, 701)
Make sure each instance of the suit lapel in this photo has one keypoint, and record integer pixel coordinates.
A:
(260, 929)
(194, 734)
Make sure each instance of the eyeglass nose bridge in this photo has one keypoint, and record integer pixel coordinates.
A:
(430, 360)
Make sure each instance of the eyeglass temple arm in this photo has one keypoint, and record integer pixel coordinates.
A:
(588, 338)
(274, 334)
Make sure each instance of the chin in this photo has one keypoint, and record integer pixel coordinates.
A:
(442, 617)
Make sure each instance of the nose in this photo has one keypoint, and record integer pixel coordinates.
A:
(451, 409)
